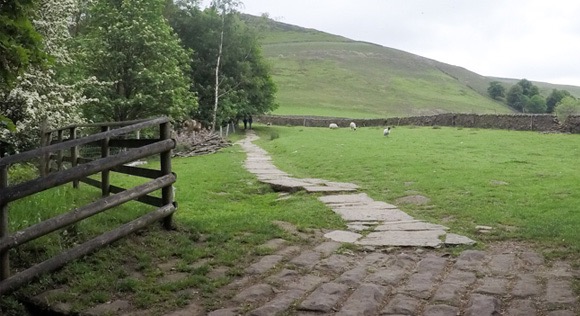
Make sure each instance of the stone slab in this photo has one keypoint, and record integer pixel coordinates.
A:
(364, 301)
(324, 298)
(330, 183)
(374, 205)
(354, 215)
(410, 226)
(323, 189)
(343, 236)
(428, 238)
(286, 184)
(254, 293)
(346, 198)
(266, 263)
(358, 228)
(454, 239)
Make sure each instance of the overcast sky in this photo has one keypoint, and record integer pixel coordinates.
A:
(534, 39)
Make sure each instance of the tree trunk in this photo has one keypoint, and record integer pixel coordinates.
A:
(217, 70)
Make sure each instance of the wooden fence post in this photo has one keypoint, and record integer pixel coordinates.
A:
(105, 183)
(74, 153)
(165, 157)
(59, 157)
(4, 261)
(44, 141)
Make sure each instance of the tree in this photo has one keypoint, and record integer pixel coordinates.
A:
(515, 98)
(245, 86)
(536, 104)
(521, 93)
(496, 90)
(40, 96)
(554, 98)
(20, 43)
(529, 89)
(130, 45)
(568, 106)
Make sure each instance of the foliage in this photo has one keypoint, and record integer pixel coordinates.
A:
(496, 90)
(20, 44)
(516, 98)
(245, 83)
(520, 95)
(129, 44)
(566, 107)
(554, 98)
(536, 104)
(41, 97)
(6, 123)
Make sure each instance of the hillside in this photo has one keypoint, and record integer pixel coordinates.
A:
(323, 74)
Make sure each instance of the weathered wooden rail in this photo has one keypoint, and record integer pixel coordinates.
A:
(65, 150)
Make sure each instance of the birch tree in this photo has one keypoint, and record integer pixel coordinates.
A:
(224, 7)
(243, 77)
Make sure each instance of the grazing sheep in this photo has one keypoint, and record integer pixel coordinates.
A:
(353, 126)
(387, 131)
(333, 126)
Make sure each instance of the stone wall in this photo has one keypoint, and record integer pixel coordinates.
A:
(518, 122)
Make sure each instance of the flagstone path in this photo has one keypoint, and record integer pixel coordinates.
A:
(385, 223)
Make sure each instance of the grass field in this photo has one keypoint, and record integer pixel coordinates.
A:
(524, 184)
(366, 79)
(224, 215)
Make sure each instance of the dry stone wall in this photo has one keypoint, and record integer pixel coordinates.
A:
(518, 122)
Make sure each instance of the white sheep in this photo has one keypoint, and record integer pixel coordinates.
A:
(333, 126)
(387, 131)
(353, 126)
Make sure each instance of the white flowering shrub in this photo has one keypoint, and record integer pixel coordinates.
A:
(40, 98)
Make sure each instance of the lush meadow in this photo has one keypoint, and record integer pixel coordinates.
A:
(523, 184)
(224, 215)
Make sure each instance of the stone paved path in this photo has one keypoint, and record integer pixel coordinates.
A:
(388, 225)
(323, 277)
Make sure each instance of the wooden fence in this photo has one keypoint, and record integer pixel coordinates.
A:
(58, 151)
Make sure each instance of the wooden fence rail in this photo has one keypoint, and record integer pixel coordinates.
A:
(54, 151)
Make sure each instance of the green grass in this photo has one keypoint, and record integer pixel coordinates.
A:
(331, 78)
(524, 184)
(223, 216)
(323, 74)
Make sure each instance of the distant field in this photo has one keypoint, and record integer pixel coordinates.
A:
(323, 74)
(524, 184)
(329, 78)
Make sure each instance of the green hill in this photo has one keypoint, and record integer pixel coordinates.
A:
(323, 74)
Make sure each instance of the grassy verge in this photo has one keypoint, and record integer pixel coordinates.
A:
(521, 183)
(524, 184)
(223, 216)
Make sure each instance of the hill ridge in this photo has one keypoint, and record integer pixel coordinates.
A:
(319, 73)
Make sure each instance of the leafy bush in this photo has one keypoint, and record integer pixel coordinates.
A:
(567, 107)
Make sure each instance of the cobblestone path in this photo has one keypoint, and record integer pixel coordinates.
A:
(326, 276)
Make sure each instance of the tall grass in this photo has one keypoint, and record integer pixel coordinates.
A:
(524, 184)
